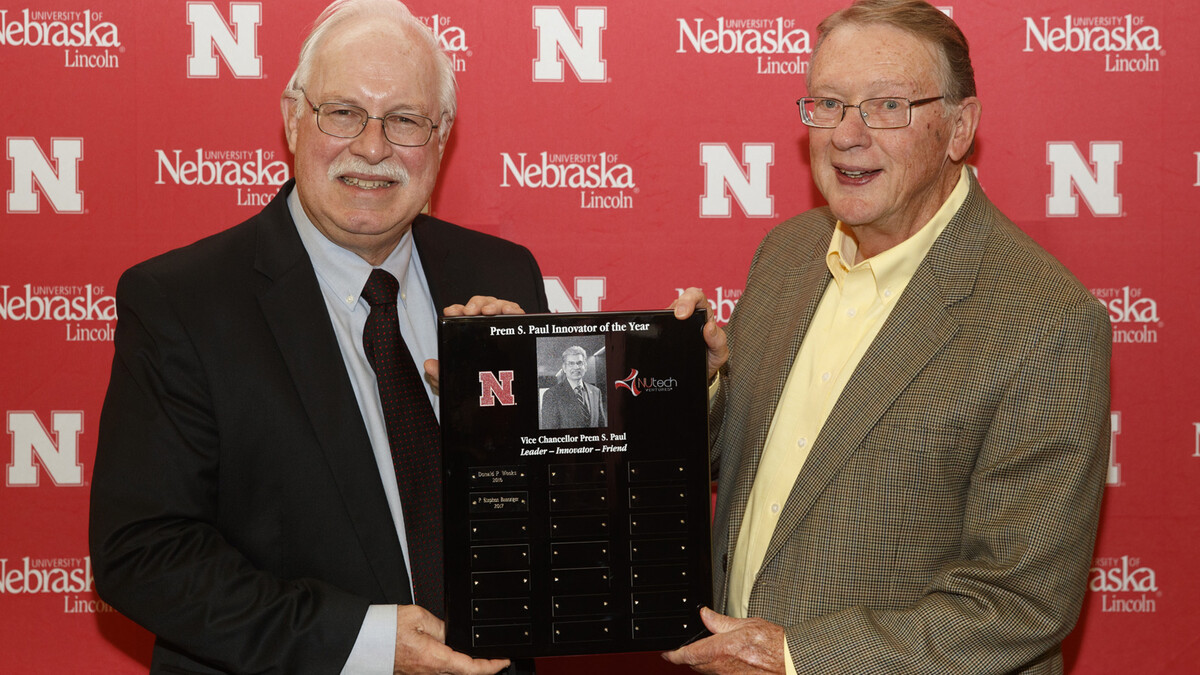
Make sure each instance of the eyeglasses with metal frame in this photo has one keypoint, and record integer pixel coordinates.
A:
(348, 121)
(888, 112)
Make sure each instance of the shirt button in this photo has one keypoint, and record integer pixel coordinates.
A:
(851, 312)
(887, 292)
(775, 508)
(825, 376)
(802, 442)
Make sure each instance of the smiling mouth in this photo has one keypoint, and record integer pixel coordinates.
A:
(365, 184)
(849, 173)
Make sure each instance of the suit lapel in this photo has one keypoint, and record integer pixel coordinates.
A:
(917, 329)
(292, 303)
(434, 260)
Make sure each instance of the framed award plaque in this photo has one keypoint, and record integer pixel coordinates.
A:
(577, 493)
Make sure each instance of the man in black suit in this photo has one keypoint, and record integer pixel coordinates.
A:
(573, 403)
(245, 504)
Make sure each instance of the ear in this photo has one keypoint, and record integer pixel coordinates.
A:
(966, 122)
(445, 125)
(291, 123)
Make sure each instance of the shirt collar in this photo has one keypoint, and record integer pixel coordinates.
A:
(343, 270)
(892, 269)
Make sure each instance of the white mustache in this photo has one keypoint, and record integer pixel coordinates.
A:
(357, 165)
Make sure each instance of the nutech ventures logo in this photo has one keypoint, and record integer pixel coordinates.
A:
(70, 578)
(1127, 42)
(1134, 316)
(640, 384)
(74, 306)
(603, 181)
(451, 38)
(242, 169)
(777, 45)
(1125, 585)
(87, 40)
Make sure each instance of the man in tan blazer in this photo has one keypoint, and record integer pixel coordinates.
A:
(910, 431)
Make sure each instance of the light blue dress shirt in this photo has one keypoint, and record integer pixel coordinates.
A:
(342, 275)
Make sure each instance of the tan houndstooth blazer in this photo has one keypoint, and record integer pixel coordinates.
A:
(944, 520)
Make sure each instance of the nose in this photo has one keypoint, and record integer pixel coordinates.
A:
(371, 144)
(852, 131)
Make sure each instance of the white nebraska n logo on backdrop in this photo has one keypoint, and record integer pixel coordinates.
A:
(210, 32)
(1097, 186)
(60, 185)
(555, 37)
(29, 438)
(750, 186)
(588, 290)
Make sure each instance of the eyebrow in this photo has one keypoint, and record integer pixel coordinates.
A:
(873, 86)
(402, 108)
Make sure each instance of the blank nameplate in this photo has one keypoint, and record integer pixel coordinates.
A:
(499, 584)
(579, 500)
(576, 605)
(500, 557)
(579, 526)
(580, 580)
(657, 602)
(657, 523)
(658, 575)
(657, 497)
(582, 631)
(500, 608)
(574, 474)
(579, 554)
(656, 470)
(647, 628)
(509, 634)
(643, 550)
(501, 528)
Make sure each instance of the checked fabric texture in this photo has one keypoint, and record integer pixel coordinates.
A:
(413, 435)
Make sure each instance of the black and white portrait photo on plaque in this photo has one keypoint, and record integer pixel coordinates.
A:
(571, 376)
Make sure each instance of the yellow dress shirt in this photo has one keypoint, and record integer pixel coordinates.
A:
(849, 316)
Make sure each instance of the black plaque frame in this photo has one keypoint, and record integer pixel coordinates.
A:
(578, 540)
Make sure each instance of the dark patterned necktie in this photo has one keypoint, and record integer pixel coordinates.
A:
(582, 396)
(413, 435)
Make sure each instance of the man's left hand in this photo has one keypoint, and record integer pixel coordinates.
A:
(479, 304)
(736, 646)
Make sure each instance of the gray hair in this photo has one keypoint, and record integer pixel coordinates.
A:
(340, 12)
(575, 349)
(924, 21)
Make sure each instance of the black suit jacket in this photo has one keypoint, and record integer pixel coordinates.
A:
(561, 409)
(237, 511)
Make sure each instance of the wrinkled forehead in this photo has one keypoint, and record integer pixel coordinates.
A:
(873, 55)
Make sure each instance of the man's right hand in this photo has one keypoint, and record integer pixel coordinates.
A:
(718, 350)
(421, 648)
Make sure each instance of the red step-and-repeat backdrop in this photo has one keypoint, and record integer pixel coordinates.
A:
(637, 148)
